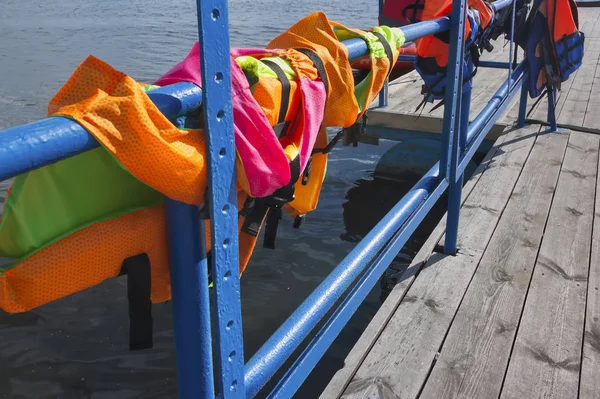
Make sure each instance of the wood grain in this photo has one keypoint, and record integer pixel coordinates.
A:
(475, 354)
(545, 361)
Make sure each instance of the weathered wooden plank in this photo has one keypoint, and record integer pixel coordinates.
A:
(546, 358)
(576, 104)
(579, 94)
(592, 116)
(402, 356)
(589, 383)
(368, 338)
(475, 354)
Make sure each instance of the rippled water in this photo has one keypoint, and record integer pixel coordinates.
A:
(78, 347)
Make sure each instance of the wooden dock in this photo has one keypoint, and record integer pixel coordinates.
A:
(516, 313)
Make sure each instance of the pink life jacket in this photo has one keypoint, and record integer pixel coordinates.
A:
(260, 154)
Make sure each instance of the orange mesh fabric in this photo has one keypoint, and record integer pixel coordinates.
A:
(96, 253)
(108, 103)
(268, 95)
(88, 257)
(314, 32)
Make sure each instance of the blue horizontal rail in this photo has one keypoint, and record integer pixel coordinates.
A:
(58, 138)
(484, 122)
(430, 188)
(495, 64)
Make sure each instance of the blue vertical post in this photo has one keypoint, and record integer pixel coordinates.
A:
(512, 37)
(465, 108)
(456, 181)
(383, 94)
(191, 304)
(452, 129)
(552, 110)
(215, 61)
(523, 104)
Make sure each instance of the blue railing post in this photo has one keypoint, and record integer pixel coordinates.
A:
(191, 303)
(512, 49)
(452, 130)
(552, 110)
(456, 179)
(522, 106)
(215, 61)
(383, 94)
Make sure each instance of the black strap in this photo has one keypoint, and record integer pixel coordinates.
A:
(139, 286)
(299, 221)
(281, 129)
(544, 92)
(415, 7)
(306, 173)
(327, 149)
(273, 218)
(285, 88)
(318, 62)
(388, 51)
(254, 210)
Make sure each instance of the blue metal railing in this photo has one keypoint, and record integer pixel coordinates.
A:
(27, 147)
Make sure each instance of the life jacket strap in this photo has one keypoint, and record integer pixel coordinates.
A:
(415, 8)
(361, 125)
(285, 89)
(299, 221)
(139, 286)
(251, 78)
(319, 65)
(273, 218)
(388, 51)
(256, 209)
(281, 129)
(306, 173)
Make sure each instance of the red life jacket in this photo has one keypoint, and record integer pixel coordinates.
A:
(432, 50)
(553, 44)
(402, 12)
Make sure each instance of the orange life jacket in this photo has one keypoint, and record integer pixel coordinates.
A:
(553, 44)
(432, 50)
